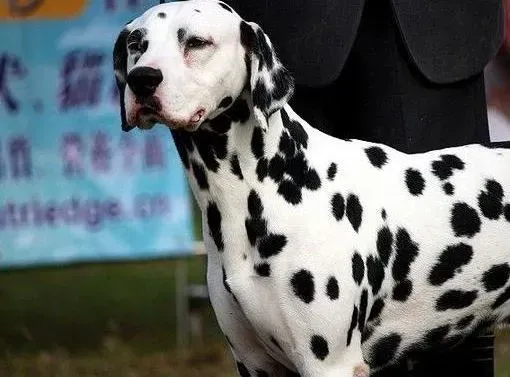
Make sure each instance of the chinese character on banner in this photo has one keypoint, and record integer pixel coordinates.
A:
(101, 154)
(129, 151)
(11, 67)
(154, 153)
(20, 157)
(72, 150)
(81, 79)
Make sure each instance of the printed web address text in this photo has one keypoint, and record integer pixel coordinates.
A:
(93, 214)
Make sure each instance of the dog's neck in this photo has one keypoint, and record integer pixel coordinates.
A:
(231, 151)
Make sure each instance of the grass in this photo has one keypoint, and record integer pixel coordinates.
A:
(55, 307)
(112, 320)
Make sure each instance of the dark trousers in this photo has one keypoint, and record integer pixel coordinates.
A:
(381, 97)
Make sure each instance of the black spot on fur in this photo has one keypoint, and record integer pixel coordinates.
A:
(451, 259)
(375, 273)
(465, 322)
(444, 167)
(225, 6)
(162, 15)
(200, 175)
(367, 333)
(319, 347)
(297, 168)
(502, 298)
(257, 142)
(226, 102)
(362, 310)
(211, 146)
(406, 252)
(437, 335)
(277, 168)
(265, 53)
(455, 299)
(262, 169)
(243, 371)
(354, 211)
(332, 171)
(312, 180)
(383, 214)
(296, 130)
(414, 181)
(261, 373)
(255, 229)
(235, 168)
(358, 268)
(496, 277)
(376, 310)
(465, 220)
(263, 269)
(248, 36)
(261, 96)
(402, 290)
(255, 206)
(180, 35)
(384, 244)
(490, 200)
(376, 156)
(290, 191)
(507, 212)
(214, 223)
(183, 144)
(448, 188)
(384, 350)
(271, 244)
(282, 83)
(303, 285)
(287, 145)
(332, 289)
(239, 111)
(354, 322)
(221, 124)
(338, 206)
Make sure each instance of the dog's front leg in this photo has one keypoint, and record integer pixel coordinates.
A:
(249, 355)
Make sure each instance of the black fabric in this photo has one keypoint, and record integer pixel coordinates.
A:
(448, 39)
(380, 95)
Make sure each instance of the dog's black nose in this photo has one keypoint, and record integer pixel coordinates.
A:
(143, 81)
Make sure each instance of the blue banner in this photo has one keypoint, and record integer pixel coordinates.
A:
(73, 186)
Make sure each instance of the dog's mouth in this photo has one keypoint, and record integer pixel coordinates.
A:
(149, 112)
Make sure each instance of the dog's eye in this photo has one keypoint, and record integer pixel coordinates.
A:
(196, 42)
(137, 46)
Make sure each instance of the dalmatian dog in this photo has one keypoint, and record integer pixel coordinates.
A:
(326, 257)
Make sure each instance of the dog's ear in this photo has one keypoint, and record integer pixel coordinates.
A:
(120, 69)
(270, 83)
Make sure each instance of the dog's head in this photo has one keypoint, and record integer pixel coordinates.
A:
(184, 62)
